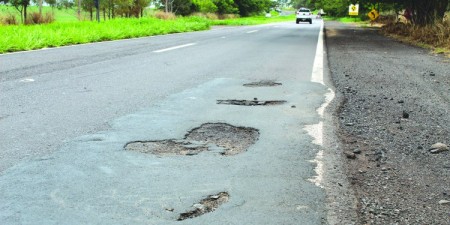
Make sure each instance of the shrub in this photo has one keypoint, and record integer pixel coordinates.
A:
(9, 19)
(36, 18)
(437, 35)
(228, 16)
(165, 16)
(211, 16)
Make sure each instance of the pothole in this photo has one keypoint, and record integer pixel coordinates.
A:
(233, 139)
(254, 102)
(167, 147)
(222, 138)
(263, 83)
(207, 205)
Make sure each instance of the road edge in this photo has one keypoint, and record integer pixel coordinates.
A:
(341, 201)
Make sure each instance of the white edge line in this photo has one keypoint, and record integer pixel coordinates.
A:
(316, 130)
(252, 31)
(317, 74)
(173, 48)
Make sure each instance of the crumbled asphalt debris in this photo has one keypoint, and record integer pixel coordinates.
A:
(408, 190)
(206, 205)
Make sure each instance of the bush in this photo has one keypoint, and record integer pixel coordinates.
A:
(211, 16)
(36, 18)
(228, 16)
(437, 35)
(9, 19)
(165, 16)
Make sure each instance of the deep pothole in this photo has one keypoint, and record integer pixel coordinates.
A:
(263, 83)
(254, 102)
(206, 205)
(221, 138)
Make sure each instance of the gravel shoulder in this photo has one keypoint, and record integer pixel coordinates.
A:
(393, 105)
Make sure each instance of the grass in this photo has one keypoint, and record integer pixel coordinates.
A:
(246, 21)
(61, 15)
(20, 38)
(435, 37)
(68, 30)
(343, 19)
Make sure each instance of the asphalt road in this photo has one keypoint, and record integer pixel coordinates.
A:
(67, 113)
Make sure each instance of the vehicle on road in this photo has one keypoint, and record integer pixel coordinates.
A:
(304, 15)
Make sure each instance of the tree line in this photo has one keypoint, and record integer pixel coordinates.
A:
(135, 8)
(422, 12)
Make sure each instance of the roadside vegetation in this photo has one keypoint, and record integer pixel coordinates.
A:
(422, 23)
(433, 36)
(63, 22)
(31, 24)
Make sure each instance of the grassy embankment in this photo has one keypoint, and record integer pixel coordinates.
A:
(67, 30)
(435, 37)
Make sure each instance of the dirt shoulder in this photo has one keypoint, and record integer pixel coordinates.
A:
(395, 104)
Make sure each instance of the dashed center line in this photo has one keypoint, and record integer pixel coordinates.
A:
(173, 48)
(252, 31)
(26, 80)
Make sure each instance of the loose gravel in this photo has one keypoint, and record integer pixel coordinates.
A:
(395, 105)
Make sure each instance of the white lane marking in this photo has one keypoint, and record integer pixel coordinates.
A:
(317, 74)
(26, 80)
(252, 31)
(316, 130)
(329, 96)
(174, 47)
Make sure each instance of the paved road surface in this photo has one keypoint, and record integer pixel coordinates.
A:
(67, 113)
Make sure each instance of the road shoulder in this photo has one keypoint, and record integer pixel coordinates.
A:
(393, 107)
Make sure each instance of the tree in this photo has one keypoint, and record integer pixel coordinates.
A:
(180, 7)
(422, 12)
(249, 7)
(52, 3)
(226, 7)
(303, 3)
(334, 7)
(21, 6)
(88, 5)
(204, 6)
(64, 4)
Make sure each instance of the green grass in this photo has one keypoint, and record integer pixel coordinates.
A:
(68, 30)
(343, 19)
(252, 20)
(20, 38)
(61, 15)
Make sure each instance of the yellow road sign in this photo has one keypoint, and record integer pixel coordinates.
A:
(353, 10)
(373, 15)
